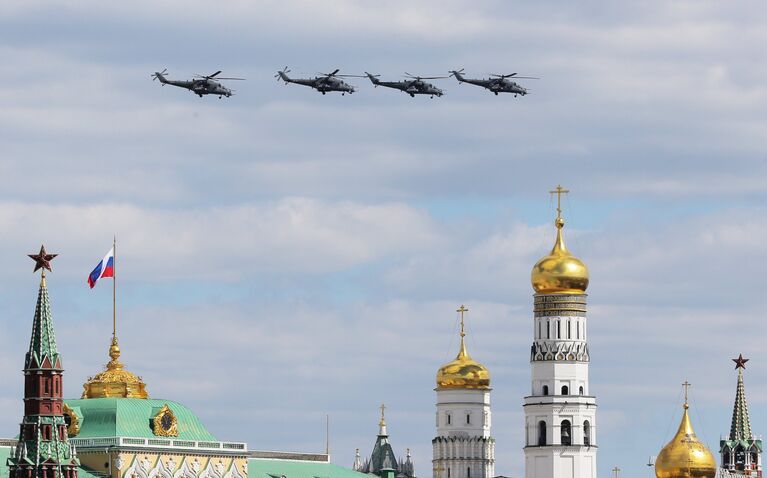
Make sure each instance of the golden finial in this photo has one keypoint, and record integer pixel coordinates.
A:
(115, 381)
(686, 386)
(382, 423)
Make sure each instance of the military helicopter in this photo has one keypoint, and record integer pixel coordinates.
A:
(414, 86)
(498, 84)
(201, 85)
(323, 84)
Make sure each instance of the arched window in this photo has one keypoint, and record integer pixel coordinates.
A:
(468, 472)
(565, 390)
(559, 329)
(548, 329)
(566, 434)
(449, 418)
(539, 330)
(578, 329)
(580, 390)
(541, 433)
(586, 433)
(740, 458)
(545, 390)
(468, 419)
(568, 329)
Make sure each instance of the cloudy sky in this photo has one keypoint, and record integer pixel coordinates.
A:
(283, 254)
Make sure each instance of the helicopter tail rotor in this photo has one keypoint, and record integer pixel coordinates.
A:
(283, 75)
(159, 75)
(457, 74)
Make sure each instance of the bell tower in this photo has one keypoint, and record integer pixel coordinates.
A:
(43, 449)
(560, 412)
(463, 447)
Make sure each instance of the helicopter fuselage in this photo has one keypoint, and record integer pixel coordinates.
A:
(323, 84)
(204, 86)
(411, 87)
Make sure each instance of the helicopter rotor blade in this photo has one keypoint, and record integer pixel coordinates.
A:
(214, 74)
(228, 78)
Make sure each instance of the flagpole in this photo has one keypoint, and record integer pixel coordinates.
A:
(114, 288)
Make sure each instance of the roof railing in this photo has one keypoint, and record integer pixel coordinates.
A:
(101, 442)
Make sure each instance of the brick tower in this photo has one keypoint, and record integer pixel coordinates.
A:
(43, 450)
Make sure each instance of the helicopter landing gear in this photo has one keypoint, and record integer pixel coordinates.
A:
(496, 93)
(322, 92)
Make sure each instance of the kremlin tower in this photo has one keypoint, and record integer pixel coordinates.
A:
(685, 456)
(560, 412)
(43, 449)
(463, 447)
(741, 451)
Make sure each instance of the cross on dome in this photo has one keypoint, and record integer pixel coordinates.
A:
(462, 310)
(686, 386)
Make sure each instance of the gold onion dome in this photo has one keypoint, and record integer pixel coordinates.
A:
(560, 272)
(463, 372)
(685, 456)
(115, 381)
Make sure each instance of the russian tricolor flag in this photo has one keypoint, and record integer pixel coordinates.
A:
(106, 268)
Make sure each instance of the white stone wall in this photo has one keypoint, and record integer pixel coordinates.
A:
(463, 447)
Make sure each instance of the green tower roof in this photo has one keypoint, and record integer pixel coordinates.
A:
(740, 429)
(132, 417)
(42, 344)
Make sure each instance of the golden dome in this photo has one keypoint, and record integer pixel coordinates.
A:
(463, 372)
(685, 456)
(115, 381)
(560, 272)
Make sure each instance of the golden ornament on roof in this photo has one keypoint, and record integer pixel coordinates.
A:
(463, 372)
(560, 272)
(685, 456)
(115, 381)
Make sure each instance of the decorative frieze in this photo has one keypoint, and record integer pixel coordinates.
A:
(559, 351)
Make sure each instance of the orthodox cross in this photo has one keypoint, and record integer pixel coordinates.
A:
(616, 470)
(559, 191)
(462, 310)
(383, 409)
(686, 386)
(42, 260)
(740, 362)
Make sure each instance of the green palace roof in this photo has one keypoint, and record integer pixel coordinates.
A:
(269, 468)
(132, 417)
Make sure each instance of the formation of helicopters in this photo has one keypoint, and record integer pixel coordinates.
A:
(329, 82)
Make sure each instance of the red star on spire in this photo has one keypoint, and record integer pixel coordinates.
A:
(740, 362)
(42, 260)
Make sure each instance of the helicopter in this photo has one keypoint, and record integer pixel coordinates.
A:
(201, 85)
(497, 84)
(323, 84)
(414, 86)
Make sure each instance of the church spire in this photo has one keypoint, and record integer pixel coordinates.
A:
(741, 425)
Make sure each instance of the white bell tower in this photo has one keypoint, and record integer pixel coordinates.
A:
(560, 412)
(463, 447)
